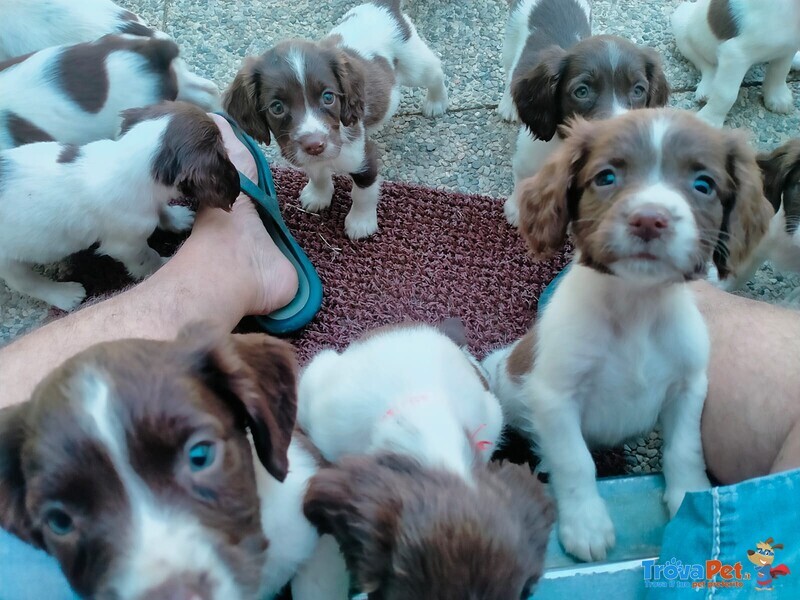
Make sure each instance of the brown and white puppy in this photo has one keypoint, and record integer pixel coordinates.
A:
(418, 514)
(118, 192)
(555, 69)
(651, 196)
(781, 244)
(164, 470)
(321, 101)
(76, 94)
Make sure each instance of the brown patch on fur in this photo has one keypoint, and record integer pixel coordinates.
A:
(306, 444)
(781, 171)
(14, 60)
(393, 6)
(69, 154)
(81, 70)
(721, 20)
(520, 360)
(133, 25)
(24, 132)
(192, 155)
(163, 395)
(408, 531)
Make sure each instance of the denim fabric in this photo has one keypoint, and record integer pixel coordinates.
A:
(29, 574)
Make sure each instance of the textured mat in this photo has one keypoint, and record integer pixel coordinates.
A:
(437, 254)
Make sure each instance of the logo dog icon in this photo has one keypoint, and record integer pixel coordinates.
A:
(762, 558)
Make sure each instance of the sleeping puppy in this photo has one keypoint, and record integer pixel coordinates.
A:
(59, 199)
(164, 470)
(557, 69)
(724, 39)
(651, 196)
(407, 418)
(781, 244)
(75, 94)
(321, 100)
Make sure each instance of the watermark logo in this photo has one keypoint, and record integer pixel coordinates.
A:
(763, 558)
(675, 574)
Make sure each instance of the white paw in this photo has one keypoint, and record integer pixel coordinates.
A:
(511, 210)
(703, 89)
(674, 494)
(434, 108)
(176, 219)
(779, 100)
(586, 530)
(149, 263)
(712, 118)
(68, 295)
(361, 225)
(507, 110)
(312, 199)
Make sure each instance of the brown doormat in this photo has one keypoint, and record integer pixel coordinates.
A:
(437, 254)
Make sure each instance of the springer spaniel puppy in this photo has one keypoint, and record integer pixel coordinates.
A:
(556, 69)
(650, 196)
(407, 418)
(724, 38)
(75, 94)
(322, 99)
(159, 470)
(57, 199)
(781, 244)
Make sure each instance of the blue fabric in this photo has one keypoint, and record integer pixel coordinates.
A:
(547, 293)
(29, 574)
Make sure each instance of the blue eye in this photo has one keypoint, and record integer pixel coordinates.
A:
(639, 91)
(276, 108)
(59, 521)
(704, 184)
(202, 455)
(328, 97)
(605, 178)
(581, 92)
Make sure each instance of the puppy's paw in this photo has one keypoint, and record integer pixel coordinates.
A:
(313, 199)
(675, 492)
(358, 226)
(511, 210)
(176, 219)
(148, 262)
(67, 295)
(435, 105)
(586, 530)
(712, 118)
(507, 110)
(779, 100)
(703, 89)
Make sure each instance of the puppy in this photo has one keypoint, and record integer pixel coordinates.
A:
(321, 101)
(410, 423)
(724, 39)
(781, 244)
(651, 196)
(556, 69)
(160, 470)
(75, 94)
(58, 199)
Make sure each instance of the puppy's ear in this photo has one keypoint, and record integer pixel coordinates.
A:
(658, 92)
(242, 100)
(775, 168)
(256, 375)
(536, 94)
(352, 84)
(14, 516)
(545, 199)
(359, 502)
(206, 172)
(746, 213)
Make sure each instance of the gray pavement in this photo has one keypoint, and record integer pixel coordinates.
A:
(470, 148)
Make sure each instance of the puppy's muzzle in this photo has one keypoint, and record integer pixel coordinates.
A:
(648, 222)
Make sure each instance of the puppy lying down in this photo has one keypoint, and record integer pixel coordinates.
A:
(407, 418)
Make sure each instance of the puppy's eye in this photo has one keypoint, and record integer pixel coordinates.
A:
(581, 92)
(639, 91)
(605, 178)
(59, 522)
(328, 97)
(277, 108)
(202, 455)
(704, 184)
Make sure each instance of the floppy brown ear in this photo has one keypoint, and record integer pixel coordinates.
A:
(545, 199)
(208, 175)
(746, 213)
(535, 93)
(14, 516)
(358, 502)
(256, 375)
(658, 87)
(352, 84)
(775, 169)
(242, 100)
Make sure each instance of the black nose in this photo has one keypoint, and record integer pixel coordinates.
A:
(313, 144)
(648, 223)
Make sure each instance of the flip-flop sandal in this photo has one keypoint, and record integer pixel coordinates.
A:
(308, 299)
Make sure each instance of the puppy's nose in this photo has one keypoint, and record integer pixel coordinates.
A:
(648, 222)
(313, 144)
(178, 588)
